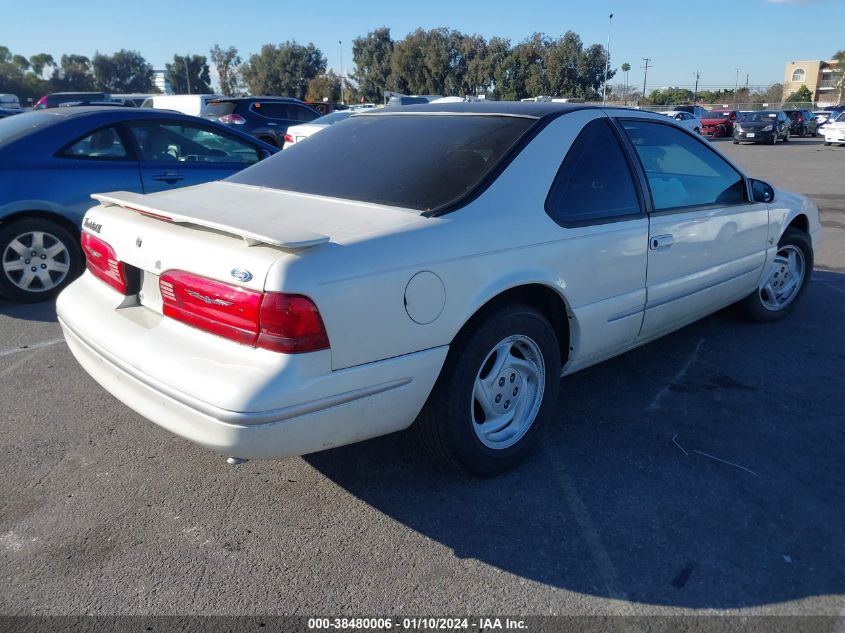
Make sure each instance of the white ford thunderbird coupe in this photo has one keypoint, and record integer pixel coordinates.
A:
(439, 265)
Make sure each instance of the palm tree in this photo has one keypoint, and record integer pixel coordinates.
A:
(625, 68)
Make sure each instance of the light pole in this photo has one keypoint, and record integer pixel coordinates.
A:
(645, 76)
(340, 43)
(736, 85)
(187, 77)
(695, 94)
(607, 60)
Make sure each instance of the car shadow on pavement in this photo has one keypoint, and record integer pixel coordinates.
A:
(44, 311)
(703, 470)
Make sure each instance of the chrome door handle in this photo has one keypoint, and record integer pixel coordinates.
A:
(169, 177)
(661, 241)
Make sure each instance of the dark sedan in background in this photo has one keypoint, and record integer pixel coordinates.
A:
(266, 118)
(762, 126)
(52, 160)
(802, 123)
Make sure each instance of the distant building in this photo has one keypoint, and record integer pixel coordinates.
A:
(160, 82)
(821, 78)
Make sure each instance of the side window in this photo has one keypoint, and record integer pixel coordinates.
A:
(104, 143)
(681, 171)
(594, 182)
(187, 143)
(301, 113)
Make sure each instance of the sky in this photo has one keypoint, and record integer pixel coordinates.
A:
(722, 39)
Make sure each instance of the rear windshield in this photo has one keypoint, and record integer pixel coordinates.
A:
(715, 115)
(14, 127)
(420, 162)
(220, 108)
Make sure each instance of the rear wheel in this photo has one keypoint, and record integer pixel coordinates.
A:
(785, 280)
(37, 259)
(802, 132)
(497, 388)
(786, 138)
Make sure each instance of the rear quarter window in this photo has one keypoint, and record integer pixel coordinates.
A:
(420, 162)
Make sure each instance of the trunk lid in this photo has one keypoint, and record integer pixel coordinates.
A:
(227, 232)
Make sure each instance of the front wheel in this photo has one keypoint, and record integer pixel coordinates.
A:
(784, 281)
(497, 388)
(786, 138)
(38, 259)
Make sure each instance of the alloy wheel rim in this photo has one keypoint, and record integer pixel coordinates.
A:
(507, 392)
(36, 261)
(784, 278)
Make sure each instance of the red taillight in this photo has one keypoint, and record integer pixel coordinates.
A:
(291, 324)
(102, 261)
(288, 138)
(274, 321)
(800, 119)
(235, 119)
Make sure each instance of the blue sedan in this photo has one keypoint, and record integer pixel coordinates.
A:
(51, 161)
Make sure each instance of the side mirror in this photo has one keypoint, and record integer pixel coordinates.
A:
(762, 191)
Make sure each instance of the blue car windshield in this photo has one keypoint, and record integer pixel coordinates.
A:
(14, 127)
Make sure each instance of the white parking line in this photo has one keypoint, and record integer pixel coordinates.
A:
(26, 348)
(655, 404)
(598, 551)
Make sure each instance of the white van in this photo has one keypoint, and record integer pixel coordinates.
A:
(187, 104)
(9, 101)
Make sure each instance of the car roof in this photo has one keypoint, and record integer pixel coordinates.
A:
(259, 98)
(512, 108)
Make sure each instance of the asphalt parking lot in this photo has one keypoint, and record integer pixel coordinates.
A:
(701, 473)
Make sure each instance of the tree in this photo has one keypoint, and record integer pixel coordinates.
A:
(324, 87)
(74, 73)
(41, 62)
(227, 61)
(372, 56)
(124, 72)
(802, 95)
(283, 70)
(193, 68)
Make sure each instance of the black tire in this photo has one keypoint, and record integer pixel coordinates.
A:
(786, 138)
(735, 142)
(446, 425)
(12, 282)
(753, 305)
(802, 132)
(774, 140)
(826, 144)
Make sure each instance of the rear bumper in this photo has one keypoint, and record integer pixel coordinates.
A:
(352, 405)
(834, 136)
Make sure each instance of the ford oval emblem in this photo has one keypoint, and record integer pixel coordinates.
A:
(241, 275)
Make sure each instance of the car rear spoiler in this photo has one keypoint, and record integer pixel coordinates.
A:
(252, 231)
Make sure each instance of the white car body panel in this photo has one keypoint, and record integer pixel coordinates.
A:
(393, 288)
(688, 122)
(303, 131)
(834, 132)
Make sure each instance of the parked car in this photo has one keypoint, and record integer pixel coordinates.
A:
(267, 118)
(698, 111)
(802, 122)
(830, 116)
(4, 112)
(51, 161)
(9, 102)
(318, 299)
(296, 133)
(685, 120)
(195, 105)
(135, 100)
(762, 126)
(834, 132)
(325, 107)
(55, 99)
(720, 123)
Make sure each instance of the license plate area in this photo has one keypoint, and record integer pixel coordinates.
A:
(149, 295)
(750, 135)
